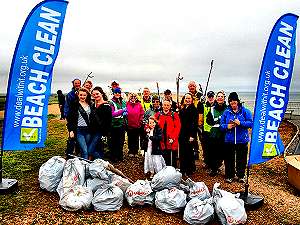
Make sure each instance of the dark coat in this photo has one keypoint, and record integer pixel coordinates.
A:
(72, 117)
(156, 138)
(189, 122)
(100, 119)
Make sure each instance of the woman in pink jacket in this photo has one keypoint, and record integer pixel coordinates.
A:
(135, 117)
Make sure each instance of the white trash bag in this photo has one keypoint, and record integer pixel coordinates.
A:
(51, 172)
(166, 178)
(108, 198)
(98, 169)
(229, 208)
(77, 198)
(73, 175)
(197, 190)
(139, 193)
(170, 200)
(120, 182)
(95, 183)
(198, 211)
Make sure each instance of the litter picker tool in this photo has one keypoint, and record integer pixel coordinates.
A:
(88, 76)
(109, 167)
(157, 87)
(178, 79)
(211, 66)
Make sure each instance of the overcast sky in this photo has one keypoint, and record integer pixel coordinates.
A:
(141, 42)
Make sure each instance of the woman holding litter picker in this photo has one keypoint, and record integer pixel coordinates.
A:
(235, 121)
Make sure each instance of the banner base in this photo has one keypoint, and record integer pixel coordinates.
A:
(8, 186)
(251, 201)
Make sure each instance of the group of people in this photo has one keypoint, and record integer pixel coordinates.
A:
(166, 131)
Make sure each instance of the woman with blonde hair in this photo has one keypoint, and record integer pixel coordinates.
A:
(79, 121)
(188, 115)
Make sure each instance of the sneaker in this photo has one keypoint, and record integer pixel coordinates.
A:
(242, 180)
(229, 180)
(131, 155)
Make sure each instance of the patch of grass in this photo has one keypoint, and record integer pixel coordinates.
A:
(51, 116)
(24, 166)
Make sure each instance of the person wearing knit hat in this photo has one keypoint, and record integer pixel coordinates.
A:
(233, 96)
(117, 90)
(235, 122)
(119, 123)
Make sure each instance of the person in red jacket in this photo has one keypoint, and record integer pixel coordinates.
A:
(169, 122)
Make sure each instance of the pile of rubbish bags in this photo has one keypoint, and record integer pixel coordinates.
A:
(98, 185)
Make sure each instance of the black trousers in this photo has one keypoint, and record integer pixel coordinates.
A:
(205, 146)
(62, 114)
(168, 154)
(187, 159)
(215, 153)
(117, 143)
(235, 159)
(133, 140)
(143, 137)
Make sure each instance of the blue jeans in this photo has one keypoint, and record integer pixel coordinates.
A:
(83, 139)
(95, 149)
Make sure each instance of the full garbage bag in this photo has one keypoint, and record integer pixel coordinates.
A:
(108, 198)
(170, 200)
(77, 198)
(229, 208)
(166, 178)
(50, 173)
(95, 183)
(139, 193)
(98, 168)
(73, 174)
(198, 211)
(197, 190)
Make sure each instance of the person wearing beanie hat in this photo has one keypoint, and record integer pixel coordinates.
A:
(117, 90)
(235, 122)
(168, 96)
(233, 96)
(119, 113)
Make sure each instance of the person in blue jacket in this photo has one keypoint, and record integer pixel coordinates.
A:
(235, 122)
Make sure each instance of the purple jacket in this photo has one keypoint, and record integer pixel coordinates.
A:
(135, 114)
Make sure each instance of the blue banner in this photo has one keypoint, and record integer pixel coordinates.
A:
(272, 94)
(29, 84)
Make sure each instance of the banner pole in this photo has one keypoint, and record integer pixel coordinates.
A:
(251, 201)
(1, 165)
(6, 185)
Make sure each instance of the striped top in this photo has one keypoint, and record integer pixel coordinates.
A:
(81, 122)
